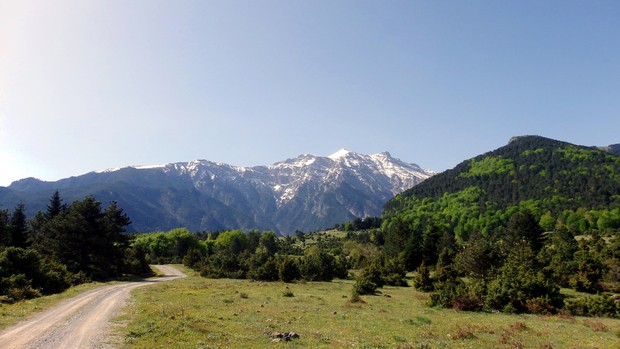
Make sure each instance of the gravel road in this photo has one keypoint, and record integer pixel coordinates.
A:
(81, 322)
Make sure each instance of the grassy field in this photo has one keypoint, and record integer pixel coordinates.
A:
(203, 313)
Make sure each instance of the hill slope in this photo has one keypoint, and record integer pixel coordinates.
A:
(533, 168)
(541, 175)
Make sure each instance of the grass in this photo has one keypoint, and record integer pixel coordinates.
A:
(195, 312)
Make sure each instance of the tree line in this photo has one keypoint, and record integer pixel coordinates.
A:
(64, 245)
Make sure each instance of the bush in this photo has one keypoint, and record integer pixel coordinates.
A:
(193, 258)
(317, 265)
(422, 280)
(135, 261)
(518, 282)
(56, 278)
(17, 287)
(393, 272)
(599, 305)
(364, 285)
(265, 271)
(459, 295)
(24, 274)
(522, 292)
(288, 270)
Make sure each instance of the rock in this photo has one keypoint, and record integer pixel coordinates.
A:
(283, 336)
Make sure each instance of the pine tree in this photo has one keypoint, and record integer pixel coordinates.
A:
(55, 206)
(18, 227)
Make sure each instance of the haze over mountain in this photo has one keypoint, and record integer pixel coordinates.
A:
(305, 193)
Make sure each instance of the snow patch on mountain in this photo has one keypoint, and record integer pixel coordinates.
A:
(339, 154)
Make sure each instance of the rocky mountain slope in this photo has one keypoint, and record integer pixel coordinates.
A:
(305, 193)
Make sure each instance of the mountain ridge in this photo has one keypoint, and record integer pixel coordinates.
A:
(307, 192)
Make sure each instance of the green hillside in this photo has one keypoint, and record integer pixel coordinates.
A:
(544, 176)
(507, 229)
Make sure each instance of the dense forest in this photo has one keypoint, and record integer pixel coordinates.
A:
(62, 246)
(505, 230)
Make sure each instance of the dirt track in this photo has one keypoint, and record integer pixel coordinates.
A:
(81, 322)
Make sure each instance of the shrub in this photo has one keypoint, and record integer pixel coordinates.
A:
(193, 258)
(518, 282)
(422, 280)
(364, 286)
(393, 272)
(317, 265)
(599, 305)
(459, 295)
(263, 267)
(135, 261)
(56, 278)
(24, 274)
(288, 270)
(17, 287)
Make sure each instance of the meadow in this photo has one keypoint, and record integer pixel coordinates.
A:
(196, 312)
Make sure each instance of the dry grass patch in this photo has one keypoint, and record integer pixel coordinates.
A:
(596, 326)
(464, 332)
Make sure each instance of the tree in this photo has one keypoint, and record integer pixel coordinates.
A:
(288, 270)
(4, 228)
(18, 227)
(233, 240)
(88, 240)
(520, 286)
(55, 206)
(317, 265)
(478, 258)
(269, 242)
(523, 228)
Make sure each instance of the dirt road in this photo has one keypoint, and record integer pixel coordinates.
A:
(80, 322)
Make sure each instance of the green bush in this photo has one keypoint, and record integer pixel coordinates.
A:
(459, 295)
(364, 286)
(317, 265)
(288, 270)
(599, 305)
(24, 274)
(516, 286)
(422, 280)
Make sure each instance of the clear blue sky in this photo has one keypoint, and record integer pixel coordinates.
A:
(88, 85)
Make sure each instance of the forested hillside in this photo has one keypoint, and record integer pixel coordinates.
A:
(505, 230)
(557, 174)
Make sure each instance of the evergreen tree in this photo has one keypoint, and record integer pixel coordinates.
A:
(4, 228)
(18, 227)
(55, 206)
(523, 228)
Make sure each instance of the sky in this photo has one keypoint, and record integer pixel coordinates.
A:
(89, 85)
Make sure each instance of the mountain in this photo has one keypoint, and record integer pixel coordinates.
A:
(614, 149)
(305, 193)
(557, 182)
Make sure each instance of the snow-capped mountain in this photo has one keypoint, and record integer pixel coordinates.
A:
(305, 193)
